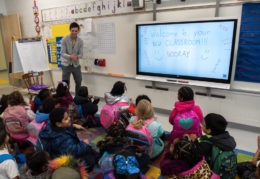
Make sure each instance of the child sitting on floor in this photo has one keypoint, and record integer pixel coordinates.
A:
(59, 137)
(132, 107)
(42, 118)
(144, 119)
(67, 167)
(8, 166)
(186, 116)
(36, 166)
(250, 169)
(89, 107)
(217, 146)
(38, 100)
(63, 97)
(116, 102)
(185, 160)
(17, 116)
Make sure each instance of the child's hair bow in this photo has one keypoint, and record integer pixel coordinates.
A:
(123, 165)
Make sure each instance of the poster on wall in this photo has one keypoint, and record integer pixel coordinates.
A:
(106, 38)
(52, 52)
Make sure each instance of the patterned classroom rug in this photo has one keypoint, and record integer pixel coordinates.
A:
(96, 134)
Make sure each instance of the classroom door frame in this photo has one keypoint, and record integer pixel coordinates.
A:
(2, 50)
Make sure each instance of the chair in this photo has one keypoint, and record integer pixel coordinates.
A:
(34, 83)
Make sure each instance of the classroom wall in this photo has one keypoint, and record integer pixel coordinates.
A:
(238, 107)
(2, 7)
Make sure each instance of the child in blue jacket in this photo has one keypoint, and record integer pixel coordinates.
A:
(59, 137)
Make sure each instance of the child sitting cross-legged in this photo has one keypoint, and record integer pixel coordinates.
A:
(217, 146)
(185, 160)
(145, 123)
(89, 107)
(186, 117)
(59, 137)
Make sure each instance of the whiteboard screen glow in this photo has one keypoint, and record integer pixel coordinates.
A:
(200, 50)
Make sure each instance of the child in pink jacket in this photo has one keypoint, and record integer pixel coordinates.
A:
(17, 116)
(186, 116)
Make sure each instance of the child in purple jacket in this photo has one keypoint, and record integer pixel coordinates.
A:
(63, 96)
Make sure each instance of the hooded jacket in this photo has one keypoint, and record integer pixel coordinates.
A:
(114, 99)
(41, 117)
(223, 141)
(184, 106)
(58, 141)
(88, 108)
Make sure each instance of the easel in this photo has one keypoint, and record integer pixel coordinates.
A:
(19, 75)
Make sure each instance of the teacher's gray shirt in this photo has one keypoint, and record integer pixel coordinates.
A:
(67, 49)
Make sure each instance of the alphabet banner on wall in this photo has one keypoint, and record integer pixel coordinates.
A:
(89, 9)
(248, 56)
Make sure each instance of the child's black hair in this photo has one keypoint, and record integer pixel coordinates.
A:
(43, 94)
(48, 105)
(140, 97)
(112, 144)
(216, 123)
(187, 151)
(116, 130)
(83, 91)
(16, 98)
(73, 25)
(62, 89)
(118, 88)
(2, 132)
(37, 162)
(125, 153)
(3, 103)
(186, 93)
(57, 115)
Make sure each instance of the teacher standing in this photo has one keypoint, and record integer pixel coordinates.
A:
(71, 52)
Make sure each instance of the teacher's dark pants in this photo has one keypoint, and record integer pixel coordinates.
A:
(76, 73)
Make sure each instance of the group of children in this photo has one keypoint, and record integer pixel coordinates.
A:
(134, 137)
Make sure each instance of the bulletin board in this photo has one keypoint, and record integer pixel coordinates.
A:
(248, 58)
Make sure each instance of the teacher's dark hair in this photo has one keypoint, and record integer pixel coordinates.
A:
(73, 25)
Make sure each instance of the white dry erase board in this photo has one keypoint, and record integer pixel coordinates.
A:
(29, 56)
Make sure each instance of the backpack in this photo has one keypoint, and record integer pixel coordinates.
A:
(186, 122)
(34, 129)
(16, 120)
(109, 114)
(223, 163)
(75, 112)
(141, 135)
(5, 157)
